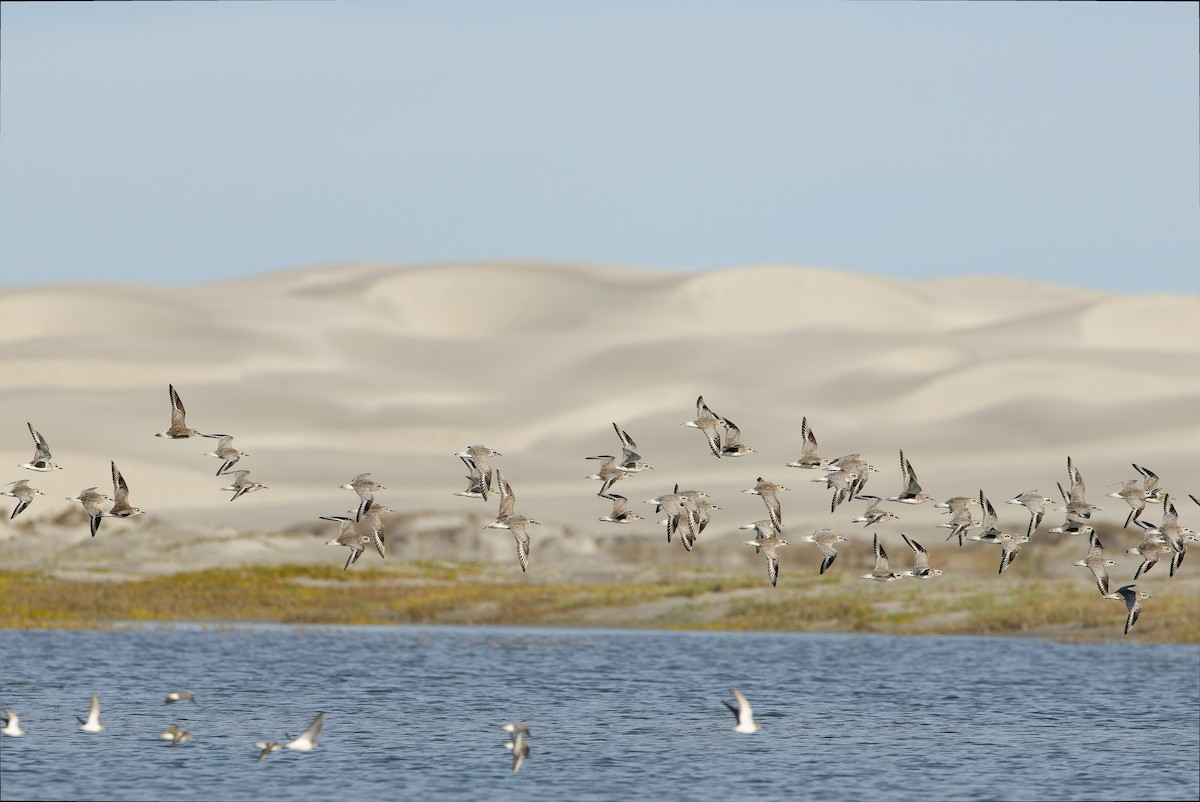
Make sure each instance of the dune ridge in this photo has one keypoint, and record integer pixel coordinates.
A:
(322, 373)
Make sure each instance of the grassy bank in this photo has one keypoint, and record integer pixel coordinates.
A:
(461, 593)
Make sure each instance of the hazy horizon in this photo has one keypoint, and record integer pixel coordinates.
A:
(188, 143)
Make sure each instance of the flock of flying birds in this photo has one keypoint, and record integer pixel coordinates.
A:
(687, 513)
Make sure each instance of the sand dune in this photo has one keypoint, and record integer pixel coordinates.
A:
(326, 372)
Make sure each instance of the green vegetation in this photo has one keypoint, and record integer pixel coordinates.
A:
(452, 593)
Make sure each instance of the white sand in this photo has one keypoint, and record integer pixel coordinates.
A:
(328, 372)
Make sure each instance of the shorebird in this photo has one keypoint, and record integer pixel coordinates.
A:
(225, 452)
(608, 472)
(808, 457)
(179, 696)
(1150, 489)
(961, 521)
(241, 485)
(121, 507)
(41, 453)
(703, 511)
(1151, 549)
(1035, 502)
(365, 488)
(1133, 496)
(178, 429)
(517, 727)
(516, 524)
(1070, 527)
(744, 715)
(631, 460)
(825, 541)
(921, 568)
(265, 748)
(678, 512)
(883, 572)
(1133, 603)
(170, 732)
(1011, 544)
(955, 503)
(476, 484)
(762, 529)
(768, 545)
(23, 493)
(307, 740)
(1077, 508)
(707, 421)
(180, 737)
(12, 724)
(91, 500)
(349, 537)
(853, 463)
(1096, 563)
(840, 482)
(769, 493)
(1170, 530)
(373, 517)
(733, 447)
(519, 748)
(480, 456)
(621, 514)
(92, 723)
(872, 514)
(911, 492)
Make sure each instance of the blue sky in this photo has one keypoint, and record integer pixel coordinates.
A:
(189, 142)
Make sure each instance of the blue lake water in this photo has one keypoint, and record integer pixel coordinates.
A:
(415, 712)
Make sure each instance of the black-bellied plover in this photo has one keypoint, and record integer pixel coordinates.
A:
(768, 545)
(1150, 485)
(769, 493)
(1133, 496)
(225, 452)
(1172, 532)
(762, 529)
(1076, 506)
(746, 724)
(41, 453)
(179, 696)
(23, 493)
(1133, 603)
(955, 503)
(121, 508)
(169, 733)
(178, 429)
(1097, 563)
(180, 737)
(91, 499)
(872, 514)
(825, 540)
(631, 460)
(808, 457)
(733, 446)
(373, 517)
(679, 513)
(1035, 502)
(911, 492)
(515, 524)
(12, 724)
(883, 572)
(707, 421)
(608, 473)
(92, 722)
(921, 568)
(365, 488)
(349, 537)
(841, 483)
(476, 484)
(481, 455)
(621, 514)
(703, 511)
(307, 740)
(961, 521)
(242, 484)
(1152, 548)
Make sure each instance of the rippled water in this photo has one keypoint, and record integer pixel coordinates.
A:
(415, 712)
